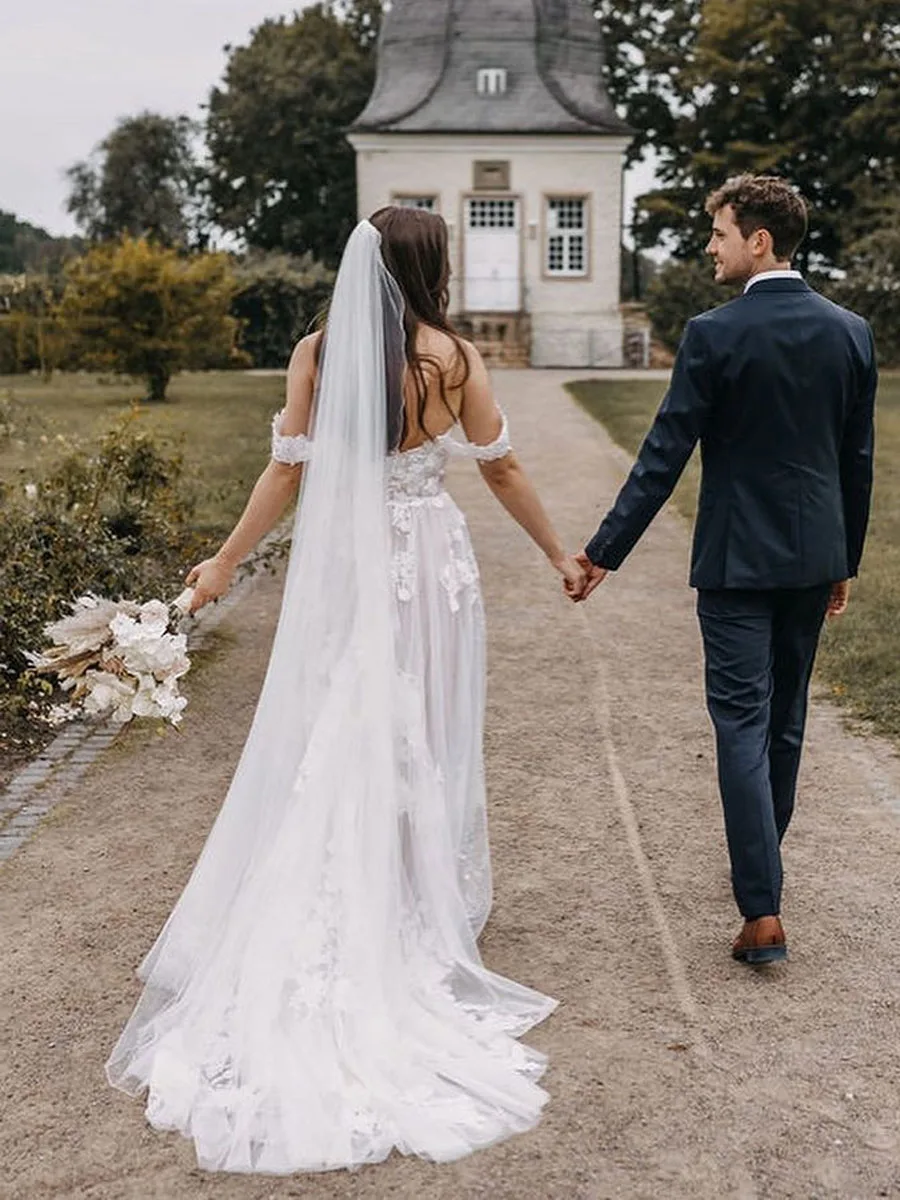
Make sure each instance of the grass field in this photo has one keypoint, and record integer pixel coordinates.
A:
(859, 659)
(219, 420)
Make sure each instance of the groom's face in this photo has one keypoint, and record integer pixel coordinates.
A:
(729, 249)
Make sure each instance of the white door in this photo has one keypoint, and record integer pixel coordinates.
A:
(493, 256)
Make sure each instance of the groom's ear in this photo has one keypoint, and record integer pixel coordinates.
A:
(760, 242)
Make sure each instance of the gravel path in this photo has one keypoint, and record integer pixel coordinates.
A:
(674, 1072)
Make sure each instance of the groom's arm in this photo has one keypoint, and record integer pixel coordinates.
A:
(680, 422)
(857, 453)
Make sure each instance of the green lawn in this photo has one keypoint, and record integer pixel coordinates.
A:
(219, 420)
(859, 659)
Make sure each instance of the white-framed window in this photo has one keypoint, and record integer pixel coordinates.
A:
(429, 203)
(567, 236)
(491, 81)
(484, 213)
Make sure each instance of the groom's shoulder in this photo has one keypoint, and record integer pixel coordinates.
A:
(716, 318)
(837, 311)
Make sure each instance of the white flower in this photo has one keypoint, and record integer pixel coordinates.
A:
(108, 693)
(142, 703)
(170, 702)
(164, 657)
(31, 491)
(126, 630)
(158, 700)
(173, 657)
(154, 617)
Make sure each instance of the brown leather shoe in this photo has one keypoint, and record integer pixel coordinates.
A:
(760, 941)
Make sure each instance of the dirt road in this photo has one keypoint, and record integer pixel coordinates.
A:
(674, 1072)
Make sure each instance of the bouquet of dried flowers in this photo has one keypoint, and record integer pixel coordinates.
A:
(119, 658)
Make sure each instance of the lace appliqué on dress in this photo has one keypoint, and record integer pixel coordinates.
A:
(459, 574)
(415, 483)
(289, 450)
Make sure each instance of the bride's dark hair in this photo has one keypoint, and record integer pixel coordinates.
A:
(415, 252)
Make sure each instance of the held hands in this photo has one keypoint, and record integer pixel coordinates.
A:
(210, 580)
(593, 577)
(580, 576)
(572, 573)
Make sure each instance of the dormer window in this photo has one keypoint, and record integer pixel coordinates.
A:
(425, 202)
(492, 81)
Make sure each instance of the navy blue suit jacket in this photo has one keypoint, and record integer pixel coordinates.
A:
(779, 389)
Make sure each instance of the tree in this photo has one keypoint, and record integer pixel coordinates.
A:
(679, 291)
(282, 174)
(277, 300)
(809, 89)
(25, 247)
(147, 311)
(143, 180)
(645, 44)
(362, 18)
(871, 285)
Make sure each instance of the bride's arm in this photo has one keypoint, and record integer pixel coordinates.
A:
(482, 422)
(275, 489)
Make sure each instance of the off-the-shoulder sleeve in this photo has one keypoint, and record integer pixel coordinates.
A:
(498, 448)
(290, 450)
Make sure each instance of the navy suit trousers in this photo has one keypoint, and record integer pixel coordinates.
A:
(760, 647)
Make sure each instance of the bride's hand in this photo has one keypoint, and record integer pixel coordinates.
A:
(574, 576)
(210, 580)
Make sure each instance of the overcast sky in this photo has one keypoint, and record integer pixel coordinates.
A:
(70, 69)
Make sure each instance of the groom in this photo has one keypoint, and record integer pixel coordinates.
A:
(779, 389)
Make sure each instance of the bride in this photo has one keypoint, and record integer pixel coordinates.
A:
(316, 998)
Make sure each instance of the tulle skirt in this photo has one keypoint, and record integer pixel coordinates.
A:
(317, 998)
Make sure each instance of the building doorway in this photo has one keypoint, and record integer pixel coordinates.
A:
(493, 257)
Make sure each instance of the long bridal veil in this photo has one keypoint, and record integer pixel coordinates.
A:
(316, 996)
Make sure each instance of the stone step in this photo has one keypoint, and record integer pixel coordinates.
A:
(503, 339)
(500, 356)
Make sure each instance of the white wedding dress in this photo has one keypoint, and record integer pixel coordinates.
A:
(317, 998)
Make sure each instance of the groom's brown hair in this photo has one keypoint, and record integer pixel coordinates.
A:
(764, 202)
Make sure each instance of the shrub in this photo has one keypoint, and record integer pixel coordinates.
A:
(277, 301)
(31, 337)
(141, 310)
(870, 287)
(680, 291)
(115, 521)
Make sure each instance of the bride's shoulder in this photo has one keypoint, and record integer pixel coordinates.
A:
(306, 351)
(450, 351)
(305, 355)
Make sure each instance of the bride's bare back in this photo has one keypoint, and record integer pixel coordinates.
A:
(443, 361)
(468, 397)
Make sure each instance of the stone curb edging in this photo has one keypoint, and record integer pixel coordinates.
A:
(40, 785)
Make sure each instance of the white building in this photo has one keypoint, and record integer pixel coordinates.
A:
(493, 113)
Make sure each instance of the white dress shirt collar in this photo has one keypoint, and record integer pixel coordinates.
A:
(771, 275)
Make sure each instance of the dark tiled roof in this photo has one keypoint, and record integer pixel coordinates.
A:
(430, 52)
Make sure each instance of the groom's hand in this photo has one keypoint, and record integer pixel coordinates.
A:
(595, 575)
(574, 578)
(839, 599)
